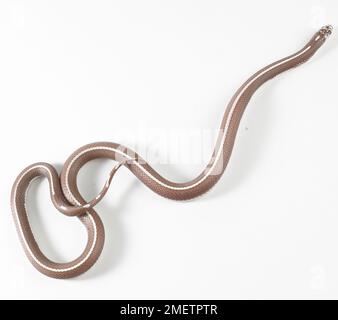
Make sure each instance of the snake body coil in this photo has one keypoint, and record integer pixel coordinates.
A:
(67, 198)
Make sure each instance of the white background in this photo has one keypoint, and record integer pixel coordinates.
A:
(74, 72)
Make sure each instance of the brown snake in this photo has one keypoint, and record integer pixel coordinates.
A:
(67, 198)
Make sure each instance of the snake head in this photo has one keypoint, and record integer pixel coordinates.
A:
(326, 31)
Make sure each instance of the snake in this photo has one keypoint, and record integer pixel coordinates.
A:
(66, 196)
